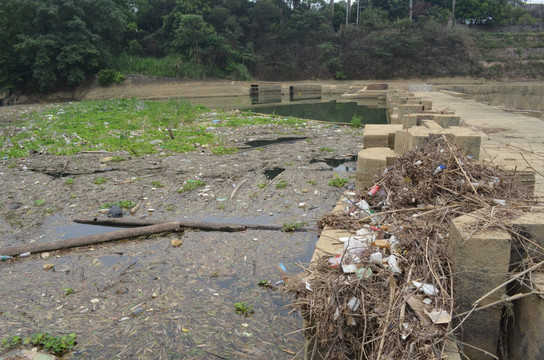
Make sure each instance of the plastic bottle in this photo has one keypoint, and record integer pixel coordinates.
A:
(374, 190)
(439, 169)
(5, 257)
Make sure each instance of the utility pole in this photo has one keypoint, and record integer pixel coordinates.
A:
(411, 8)
(348, 10)
(332, 12)
(453, 11)
(358, 11)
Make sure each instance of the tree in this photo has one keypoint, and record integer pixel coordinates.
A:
(193, 35)
(56, 42)
(483, 11)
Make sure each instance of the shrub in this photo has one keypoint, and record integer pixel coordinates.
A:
(109, 76)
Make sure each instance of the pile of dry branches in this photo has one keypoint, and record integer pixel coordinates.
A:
(388, 293)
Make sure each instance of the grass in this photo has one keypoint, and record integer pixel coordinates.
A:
(222, 150)
(157, 184)
(169, 66)
(311, 182)
(261, 185)
(127, 125)
(69, 181)
(241, 308)
(326, 149)
(68, 291)
(123, 204)
(39, 202)
(100, 180)
(191, 185)
(250, 119)
(282, 184)
(292, 226)
(118, 158)
(338, 181)
(58, 345)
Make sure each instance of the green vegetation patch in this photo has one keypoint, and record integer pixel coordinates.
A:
(223, 150)
(292, 226)
(58, 345)
(241, 308)
(251, 119)
(338, 181)
(123, 204)
(191, 185)
(131, 125)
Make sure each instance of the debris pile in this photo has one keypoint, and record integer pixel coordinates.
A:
(387, 293)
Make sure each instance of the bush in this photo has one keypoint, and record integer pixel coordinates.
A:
(340, 76)
(109, 76)
(238, 71)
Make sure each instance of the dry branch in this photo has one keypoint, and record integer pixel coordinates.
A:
(200, 225)
(91, 239)
(415, 204)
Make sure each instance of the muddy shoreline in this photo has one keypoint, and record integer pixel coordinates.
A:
(189, 292)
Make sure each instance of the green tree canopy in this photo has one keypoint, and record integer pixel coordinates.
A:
(483, 11)
(50, 43)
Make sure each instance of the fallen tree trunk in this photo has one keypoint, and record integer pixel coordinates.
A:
(91, 239)
(200, 225)
(137, 223)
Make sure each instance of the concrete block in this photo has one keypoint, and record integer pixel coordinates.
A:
(380, 135)
(433, 127)
(443, 120)
(447, 120)
(413, 137)
(370, 162)
(525, 340)
(526, 180)
(407, 109)
(465, 138)
(530, 225)
(480, 262)
(410, 120)
(427, 105)
(401, 142)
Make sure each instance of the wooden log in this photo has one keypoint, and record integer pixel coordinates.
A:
(91, 239)
(200, 225)
(206, 226)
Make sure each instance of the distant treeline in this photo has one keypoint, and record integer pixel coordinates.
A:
(52, 44)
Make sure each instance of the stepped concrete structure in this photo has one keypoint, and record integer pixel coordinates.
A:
(482, 258)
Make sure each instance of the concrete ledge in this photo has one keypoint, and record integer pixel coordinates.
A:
(370, 162)
(380, 135)
(444, 120)
(480, 262)
(525, 340)
(465, 138)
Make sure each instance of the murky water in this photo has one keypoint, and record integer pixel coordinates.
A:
(279, 140)
(306, 106)
(188, 294)
(332, 111)
(510, 97)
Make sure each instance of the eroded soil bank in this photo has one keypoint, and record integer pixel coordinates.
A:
(189, 291)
